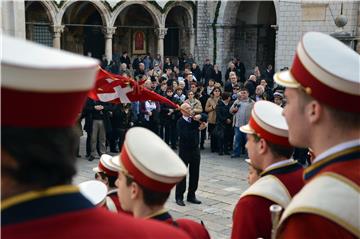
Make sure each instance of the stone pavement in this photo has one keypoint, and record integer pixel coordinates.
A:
(222, 180)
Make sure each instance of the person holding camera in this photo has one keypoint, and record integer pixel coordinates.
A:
(241, 109)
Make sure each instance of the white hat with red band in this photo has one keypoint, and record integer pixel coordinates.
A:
(150, 161)
(327, 69)
(107, 166)
(267, 122)
(52, 84)
(94, 190)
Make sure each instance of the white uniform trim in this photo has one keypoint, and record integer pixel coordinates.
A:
(110, 204)
(269, 187)
(331, 196)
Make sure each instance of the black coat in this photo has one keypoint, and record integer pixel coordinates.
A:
(90, 112)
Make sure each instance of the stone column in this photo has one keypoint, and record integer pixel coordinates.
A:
(57, 30)
(108, 34)
(161, 32)
(191, 32)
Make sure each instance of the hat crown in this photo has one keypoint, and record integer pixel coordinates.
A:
(269, 116)
(332, 56)
(94, 190)
(151, 155)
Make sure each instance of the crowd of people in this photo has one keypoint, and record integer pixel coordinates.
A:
(227, 102)
(285, 200)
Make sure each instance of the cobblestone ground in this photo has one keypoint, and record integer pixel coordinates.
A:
(222, 180)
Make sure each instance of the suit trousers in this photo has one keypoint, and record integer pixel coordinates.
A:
(191, 158)
(98, 134)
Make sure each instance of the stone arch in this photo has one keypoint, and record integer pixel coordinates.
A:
(151, 9)
(51, 10)
(100, 7)
(188, 11)
(239, 20)
(39, 17)
(180, 35)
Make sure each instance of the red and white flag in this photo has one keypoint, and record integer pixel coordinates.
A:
(119, 89)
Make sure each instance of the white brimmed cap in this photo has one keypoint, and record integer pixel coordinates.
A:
(52, 83)
(94, 190)
(327, 69)
(267, 122)
(150, 161)
(107, 166)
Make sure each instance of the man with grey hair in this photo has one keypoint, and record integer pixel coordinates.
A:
(188, 127)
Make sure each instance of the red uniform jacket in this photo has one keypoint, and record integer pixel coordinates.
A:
(306, 225)
(193, 229)
(252, 218)
(70, 215)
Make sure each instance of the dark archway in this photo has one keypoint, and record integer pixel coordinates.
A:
(83, 30)
(38, 23)
(134, 21)
(177, 39)
(254, 35)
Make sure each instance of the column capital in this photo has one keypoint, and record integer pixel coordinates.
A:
(57, 30)
(108, 32)
(161, 32)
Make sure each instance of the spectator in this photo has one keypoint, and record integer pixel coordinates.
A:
(210, 86)
(259, 93)
(179, 96)
(232, 82)
(241, 109)
(196, 72)
(240, 69)
(125, 59)
(257, 74)
(194, 103)
(278, 98)
(140, 71)
(268, 94)
(136, 62)
(207, 71)
(99, 113)
(217, 74)
(231, 68)
(158, 61)
(269, 74)
(210, 108)
(251, 86)
(148, 62)
(223, 123)
(170, 117)
(168, 64)
(122, 119)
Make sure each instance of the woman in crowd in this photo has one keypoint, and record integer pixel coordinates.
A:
(210, 108)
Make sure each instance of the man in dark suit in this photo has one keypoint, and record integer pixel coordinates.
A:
(188, 129)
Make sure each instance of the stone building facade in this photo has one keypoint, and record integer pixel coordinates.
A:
(259, 32)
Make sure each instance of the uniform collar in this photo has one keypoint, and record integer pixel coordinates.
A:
(337, 148)
(340, 153)
(283, 166)
(42, 203)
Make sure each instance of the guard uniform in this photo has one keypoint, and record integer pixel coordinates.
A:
(110, 168)
(278, 183)
(63, 212)
(328, 205)
(157, 168)
(194, 229)
(54, 84)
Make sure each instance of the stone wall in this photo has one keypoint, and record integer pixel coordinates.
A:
(202, 32)
(294, 19)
